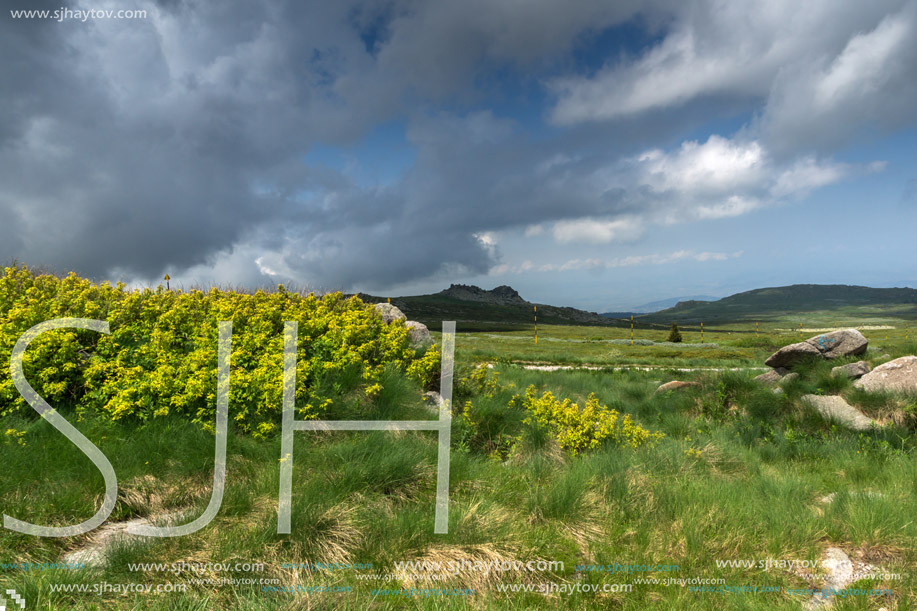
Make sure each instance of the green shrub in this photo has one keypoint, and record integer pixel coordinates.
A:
(674, 334)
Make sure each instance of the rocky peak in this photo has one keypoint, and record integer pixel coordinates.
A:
(502, 295)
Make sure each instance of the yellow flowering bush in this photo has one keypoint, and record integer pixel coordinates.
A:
(578, 429)
(161, 355)
(426, 369)
(16, 436)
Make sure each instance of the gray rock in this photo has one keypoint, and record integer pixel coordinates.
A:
(837, 344)
(389, 313)
(852, 370)
(789, 377)
(792, 354)
(432, 400)
(868, 494)
(96, 551)
(773, 376)
(420, 335)
(899, 375)
(676, 385)
(839, 571)
(837, 409)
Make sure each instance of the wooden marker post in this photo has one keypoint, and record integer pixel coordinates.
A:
(702, 333)
(631, 329)
(535, 312)
(756, 329)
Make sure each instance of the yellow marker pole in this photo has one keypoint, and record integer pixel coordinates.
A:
(756, 329)
(389, 299)
(167, 278)
(535, 311)
(702, 333)
(631, 329)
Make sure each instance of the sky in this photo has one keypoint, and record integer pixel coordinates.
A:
(594, 154)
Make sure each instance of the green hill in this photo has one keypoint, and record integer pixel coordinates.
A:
(475, 308)
(769, 303)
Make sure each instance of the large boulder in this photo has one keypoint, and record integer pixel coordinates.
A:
(389, 313)
(899, 375)
(792, 354)
(837, 344)
(420, 335)
(837, 409)
(851, 370)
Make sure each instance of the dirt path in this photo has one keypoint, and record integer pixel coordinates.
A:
(587, 367)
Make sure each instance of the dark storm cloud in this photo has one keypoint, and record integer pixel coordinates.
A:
(473, 174)
(163, 143)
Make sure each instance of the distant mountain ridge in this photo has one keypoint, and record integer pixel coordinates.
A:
(474, 307)
(778, 300)
(664, 304)
(502, 295)
(656, 306)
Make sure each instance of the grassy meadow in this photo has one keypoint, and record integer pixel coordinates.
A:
(741, 474)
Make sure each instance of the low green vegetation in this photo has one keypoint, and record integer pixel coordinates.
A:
(589, 467)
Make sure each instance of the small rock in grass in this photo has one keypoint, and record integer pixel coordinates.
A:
(829, 498)
(835, 407)
(676, 385)
(840, 572)
(433, 400)
(852, 370)
(773, 376)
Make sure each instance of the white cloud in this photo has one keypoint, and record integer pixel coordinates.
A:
(637, 260)
(815, 73)
(721, 178)
(807, 174)
(860, 69)
(505, 268)
(715, 166)
(596, 231)
(734, 48)
(868, 83)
